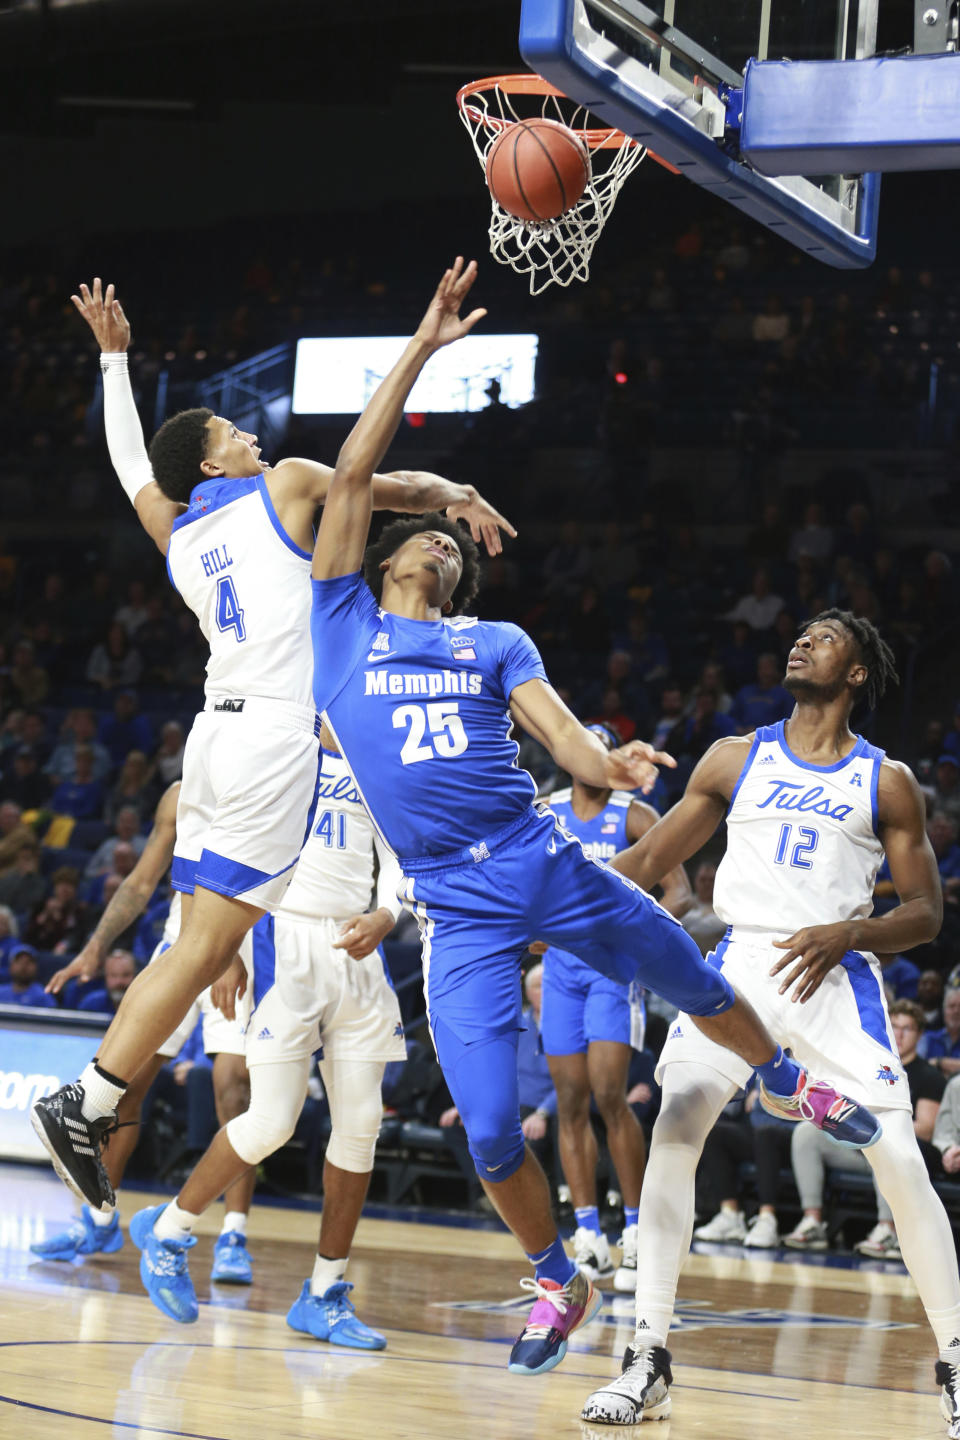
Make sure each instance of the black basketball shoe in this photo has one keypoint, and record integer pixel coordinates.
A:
(73, 1144)
(948, 1378)
(641, 1391)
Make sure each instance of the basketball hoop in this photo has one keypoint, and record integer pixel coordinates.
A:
(551, 251)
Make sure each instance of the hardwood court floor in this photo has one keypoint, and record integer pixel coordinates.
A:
(765, 1350)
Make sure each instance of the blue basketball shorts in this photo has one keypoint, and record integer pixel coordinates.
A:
(580, 1007)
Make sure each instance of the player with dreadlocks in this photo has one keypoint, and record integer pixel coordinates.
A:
(810, 809)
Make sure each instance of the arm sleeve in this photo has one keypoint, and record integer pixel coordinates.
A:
(388, 880)
(128, 451)
(343, 623)
(519, 658)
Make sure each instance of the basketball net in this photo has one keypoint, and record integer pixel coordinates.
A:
(551, 252)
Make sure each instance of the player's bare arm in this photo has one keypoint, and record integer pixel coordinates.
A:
(537, 707)
(677, 894)
(111, 329)
(131, 898)
(342, 535)
(812, 953)
(688, 826)
(297, 487)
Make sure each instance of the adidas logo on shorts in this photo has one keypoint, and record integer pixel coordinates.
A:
(265, 1033)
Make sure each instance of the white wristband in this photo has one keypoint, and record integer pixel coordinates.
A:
(128, 452)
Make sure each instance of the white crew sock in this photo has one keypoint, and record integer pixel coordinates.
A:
(100, 1096)
(102, 1217)
(326, 1273)
(173, 1223)
(234, 1220)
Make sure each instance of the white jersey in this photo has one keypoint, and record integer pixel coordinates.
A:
(802, 842)
(334, 877)
(249, 586)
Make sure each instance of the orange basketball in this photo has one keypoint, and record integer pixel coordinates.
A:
(537, 169)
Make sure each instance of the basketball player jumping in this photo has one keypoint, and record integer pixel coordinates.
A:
(422, 708)
(237, 537)
(810, 809)
(98, 1231)
(589, 1024)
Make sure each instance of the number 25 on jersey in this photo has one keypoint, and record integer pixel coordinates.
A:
(229, 613)
(446, 738)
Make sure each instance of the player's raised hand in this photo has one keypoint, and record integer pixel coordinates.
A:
(485, 522)
(104, 314)
(442, 323)
(634, 766)
(816, 950)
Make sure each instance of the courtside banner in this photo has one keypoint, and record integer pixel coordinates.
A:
(37, 1057)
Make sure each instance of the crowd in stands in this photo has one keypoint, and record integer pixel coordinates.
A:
(667, 610)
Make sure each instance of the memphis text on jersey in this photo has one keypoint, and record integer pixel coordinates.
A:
(443, 682)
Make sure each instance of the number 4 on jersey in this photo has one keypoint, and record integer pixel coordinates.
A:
(229, 613)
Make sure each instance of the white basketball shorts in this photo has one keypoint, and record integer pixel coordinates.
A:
(246, 802)
(324, 999)
(220, 1035)
(842, 1034)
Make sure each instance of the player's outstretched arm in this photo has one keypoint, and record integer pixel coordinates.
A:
(131, 898)
(811, 953)
(677, 894)
(688, 826)
(342, 535)
(128, 452)
(537, 707)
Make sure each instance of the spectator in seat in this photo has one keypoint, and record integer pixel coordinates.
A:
(79, 728)
(900, 976)
(930, 999)
(126, 828)
(739, 655)
(946, 1131)
(9, 936)
(28, 680)
(744, 1132)
(941, 1048)
(169, 757)
(134, 786)
(944, 793)
(81, 797)
(115, 661)
(23, 987)
(24, 781)
(119, 972)
(125, 729)
(62, 921)
(810, 1161)
(671, 713)
(701, 921)
(760, 608)
(35, 735)
(951, 745)
(813, 539)
(772, 325)
(765, 701)
(132, 614)
(22, 887)
(693, 737)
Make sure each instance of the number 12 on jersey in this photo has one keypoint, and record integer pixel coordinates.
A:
(804, 846)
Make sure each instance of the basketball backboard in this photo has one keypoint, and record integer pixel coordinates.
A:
(669, 73)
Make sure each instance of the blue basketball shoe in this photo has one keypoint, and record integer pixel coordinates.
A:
(557, 1312)
(331, 1316)
(81, 1237)
(232, 1264)
(163, 1267)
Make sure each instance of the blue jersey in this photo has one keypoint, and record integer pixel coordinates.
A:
(606, 834)
(420, 709)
